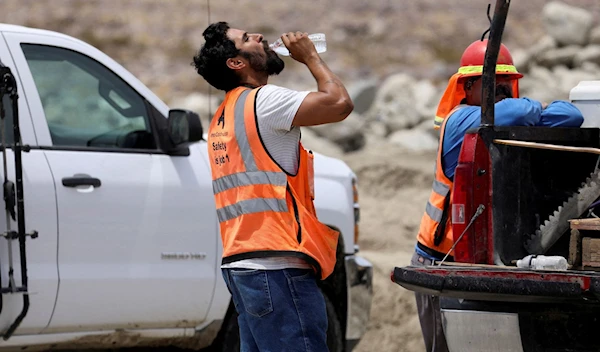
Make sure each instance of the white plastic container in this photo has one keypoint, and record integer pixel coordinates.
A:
(318, 40)
(586, 97)
(542, 262)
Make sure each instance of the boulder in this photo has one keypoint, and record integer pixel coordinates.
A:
(347, 134)
(363, 94)
(567, 24)
(395, 103)
(559, 56)
(415, 140)
(595, 35)
(590, 53)
(522, 59)
(312, 141)
(542, 46)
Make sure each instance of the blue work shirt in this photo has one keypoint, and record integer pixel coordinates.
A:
(507, 112)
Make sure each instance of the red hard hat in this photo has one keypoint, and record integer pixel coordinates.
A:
(471, 62)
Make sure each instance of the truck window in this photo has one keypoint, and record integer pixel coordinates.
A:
(85, 103)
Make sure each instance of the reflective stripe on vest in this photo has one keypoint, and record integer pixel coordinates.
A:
(250, 206)
(436, 205)
(250, 177)
(241, 179)
(442, 190)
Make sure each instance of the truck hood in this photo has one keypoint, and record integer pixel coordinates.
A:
(328, 167)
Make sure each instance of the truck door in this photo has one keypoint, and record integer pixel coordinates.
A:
(138, 238)
(40, 210)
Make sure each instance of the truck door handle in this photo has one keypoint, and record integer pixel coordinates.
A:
(81, 181)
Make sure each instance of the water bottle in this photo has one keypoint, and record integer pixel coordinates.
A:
(542, 262)
(318, 40)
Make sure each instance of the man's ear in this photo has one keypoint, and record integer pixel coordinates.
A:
(468, 85)
(235, 63)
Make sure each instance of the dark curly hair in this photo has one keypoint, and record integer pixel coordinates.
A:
(210, 61)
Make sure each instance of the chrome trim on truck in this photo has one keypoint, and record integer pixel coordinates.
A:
(359, 277)
(474, 331)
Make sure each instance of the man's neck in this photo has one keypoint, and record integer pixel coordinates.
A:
(250, 85)
(254, 81)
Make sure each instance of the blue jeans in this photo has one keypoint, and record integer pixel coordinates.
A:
(279, 310)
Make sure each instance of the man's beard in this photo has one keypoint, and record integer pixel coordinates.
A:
(503, 91)
(273, 65)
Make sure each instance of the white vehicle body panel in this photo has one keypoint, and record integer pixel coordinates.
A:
(42, 253)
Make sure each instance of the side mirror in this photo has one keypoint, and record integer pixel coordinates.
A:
(184, 127)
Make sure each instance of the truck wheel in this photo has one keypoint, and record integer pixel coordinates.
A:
(335, 336)
(228, 339)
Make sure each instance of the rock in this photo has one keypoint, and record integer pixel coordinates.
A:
(590, 53)
(542, 46)
(522, 60)
(377, 28)
(591, 68)
(559, 56)
(548, 85)
(566, 79)
(363, 94)
(427, 126)
(540, 84)
(426, 98)
(567, 24)
(312, 141)
(348, 134)
(416, 140)
(394, 103)
(595, 35)
(427, 113)
(377, 129)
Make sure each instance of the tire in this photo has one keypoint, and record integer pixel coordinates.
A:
(335, 336)
(229, 337)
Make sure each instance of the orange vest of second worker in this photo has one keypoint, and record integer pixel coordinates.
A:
(262, 210)
(435, 231)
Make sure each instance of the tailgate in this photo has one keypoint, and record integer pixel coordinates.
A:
(496, 283)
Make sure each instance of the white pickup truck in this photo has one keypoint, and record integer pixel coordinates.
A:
(118, 189)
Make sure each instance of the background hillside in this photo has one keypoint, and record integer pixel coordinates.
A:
(156, 39)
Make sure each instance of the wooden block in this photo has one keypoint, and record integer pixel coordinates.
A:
(590, 252)
(592, 224)
(575, 248)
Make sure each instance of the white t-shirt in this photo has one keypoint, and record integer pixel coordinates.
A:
(276, 108)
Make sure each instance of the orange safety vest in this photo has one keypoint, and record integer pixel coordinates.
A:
(262, 210)
(431, 234)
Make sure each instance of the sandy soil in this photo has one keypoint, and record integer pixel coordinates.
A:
(394, 186)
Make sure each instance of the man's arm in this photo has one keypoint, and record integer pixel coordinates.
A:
(561, 114)
(517, 112)
(331, 103)
(507, 112)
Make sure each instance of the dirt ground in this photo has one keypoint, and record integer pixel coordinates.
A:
(394, 186)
